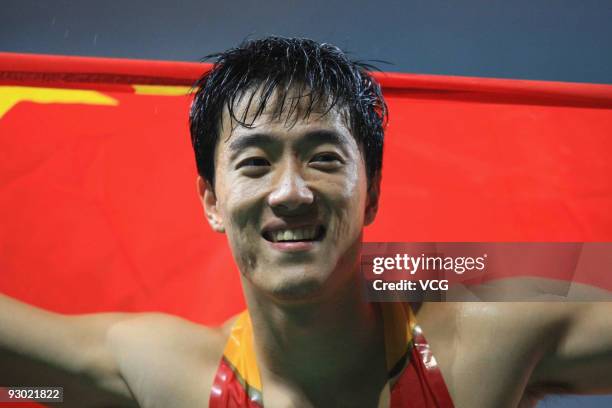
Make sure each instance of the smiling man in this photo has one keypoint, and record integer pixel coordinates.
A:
(288, 137)
(285, 177)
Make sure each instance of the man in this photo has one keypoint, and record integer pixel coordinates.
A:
(288, 139)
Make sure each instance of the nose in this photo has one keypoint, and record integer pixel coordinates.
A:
(291, 192)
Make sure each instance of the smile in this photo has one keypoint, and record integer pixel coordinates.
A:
(309, 233)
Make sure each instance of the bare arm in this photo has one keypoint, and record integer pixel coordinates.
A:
(581, 360)
(73, 345)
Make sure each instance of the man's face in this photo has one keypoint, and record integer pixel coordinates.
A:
(292, 198)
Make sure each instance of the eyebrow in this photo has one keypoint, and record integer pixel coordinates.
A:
(264, 140)
(253, 140)
(319, 137)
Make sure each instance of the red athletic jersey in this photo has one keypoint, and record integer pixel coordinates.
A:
(414, 378)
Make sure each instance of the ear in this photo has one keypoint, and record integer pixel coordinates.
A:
(209, 202)
(372, 201)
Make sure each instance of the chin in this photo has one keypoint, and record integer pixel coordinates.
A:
(298, 293)
(296, 287)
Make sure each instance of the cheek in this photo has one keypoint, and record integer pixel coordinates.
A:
(241, 205)
(242, 217)
(348, 205)
(241, 198)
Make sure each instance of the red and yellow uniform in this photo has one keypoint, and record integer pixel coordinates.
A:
(414, 378)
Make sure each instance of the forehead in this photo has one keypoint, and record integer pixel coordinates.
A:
(287, 116)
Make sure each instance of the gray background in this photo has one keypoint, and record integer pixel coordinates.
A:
(562, 40)
(565, 40)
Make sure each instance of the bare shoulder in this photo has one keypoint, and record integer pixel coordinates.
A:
(491, 347)
(167, 360)
(532, 318)
(164, 330)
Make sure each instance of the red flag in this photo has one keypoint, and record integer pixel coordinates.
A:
(97, 178)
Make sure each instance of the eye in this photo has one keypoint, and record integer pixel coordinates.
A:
(326, 161)
(253, 162)
(326, 157)
(253, 167)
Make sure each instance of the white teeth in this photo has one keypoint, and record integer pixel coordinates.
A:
(297, 234)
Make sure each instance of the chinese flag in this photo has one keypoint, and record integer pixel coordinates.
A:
(98, 191)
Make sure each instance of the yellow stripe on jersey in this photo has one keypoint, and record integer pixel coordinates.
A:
(240, 352)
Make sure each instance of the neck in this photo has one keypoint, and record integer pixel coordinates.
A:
(336, 341)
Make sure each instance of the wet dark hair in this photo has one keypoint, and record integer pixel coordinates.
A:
(301, 72)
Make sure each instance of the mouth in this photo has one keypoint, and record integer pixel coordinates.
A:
(311, 233)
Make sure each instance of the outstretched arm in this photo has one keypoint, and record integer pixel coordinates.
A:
(47, 344)
(580, 361)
